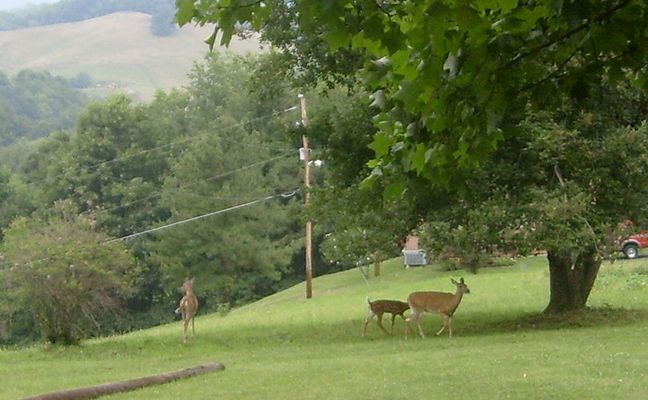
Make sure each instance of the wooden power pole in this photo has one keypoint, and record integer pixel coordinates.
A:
(309, 224)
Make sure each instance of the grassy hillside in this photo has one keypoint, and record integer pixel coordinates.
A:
(116, 50)
(287, 347)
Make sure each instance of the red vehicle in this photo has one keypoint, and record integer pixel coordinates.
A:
(632, 246)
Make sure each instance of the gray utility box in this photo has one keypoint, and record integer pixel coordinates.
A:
(414, 257)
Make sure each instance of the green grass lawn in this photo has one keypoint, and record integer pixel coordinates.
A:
(287, 347)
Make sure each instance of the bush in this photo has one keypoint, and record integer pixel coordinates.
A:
(63, 275)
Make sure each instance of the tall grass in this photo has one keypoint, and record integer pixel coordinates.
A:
(287, 347)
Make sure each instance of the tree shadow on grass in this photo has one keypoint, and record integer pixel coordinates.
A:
(586, 318)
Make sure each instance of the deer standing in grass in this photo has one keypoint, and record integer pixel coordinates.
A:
(379, 307)
(188, 307)
(444, 304)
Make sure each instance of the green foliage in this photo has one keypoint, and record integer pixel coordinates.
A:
(81, 81)
(468, 234)
(129, 167)
(456, 77)
(454, 80)
(236, 256)
(560, 185)
(240, 255)
(307, 59)
(35, 104)
(15, 198)
(63, 275)
(357, 224)
(111, 164)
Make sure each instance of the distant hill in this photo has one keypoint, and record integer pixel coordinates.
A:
(118, 51)
(64, 11)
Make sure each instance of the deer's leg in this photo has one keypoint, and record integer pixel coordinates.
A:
(193, 326)
(420, 329)
(450, 326)
(369, 317)
(408, 328)
(185, 324)
(391, 331)
(404, 318)
(379, 321)
(445, 323)
(417, 318)
(180, 310)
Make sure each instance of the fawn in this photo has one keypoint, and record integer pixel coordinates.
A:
(444, 304)
(378, 307)
(188, 307)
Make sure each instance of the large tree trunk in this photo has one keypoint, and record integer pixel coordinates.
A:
(571, 279)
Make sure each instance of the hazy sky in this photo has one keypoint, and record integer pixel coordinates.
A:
(11, 4)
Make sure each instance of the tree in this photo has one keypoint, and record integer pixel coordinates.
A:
(116, 159)
(234, 156)
(455, 79)
(34, 104)
(563, 186)
(14, 199)
(129, 167)
(359, 225)
(235, 256)
(82, 80)
(437, 66)
(63, 274)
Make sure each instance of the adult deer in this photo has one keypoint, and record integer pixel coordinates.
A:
(444, 304)
(379, 307)
(188, 307)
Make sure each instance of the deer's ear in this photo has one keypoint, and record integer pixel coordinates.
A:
(454, 282)
(461, 280)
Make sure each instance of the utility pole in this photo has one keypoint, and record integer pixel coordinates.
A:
(309, 224)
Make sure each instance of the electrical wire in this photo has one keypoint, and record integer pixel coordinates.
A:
(160, 193)
(210, 214)
(196, 218)
(96, 166)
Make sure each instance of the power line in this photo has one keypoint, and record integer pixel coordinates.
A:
(285, 195)
(167, 145)
(262, 117)
(153, 196)
(210, 214)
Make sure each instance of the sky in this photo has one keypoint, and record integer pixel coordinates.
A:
(13, 4)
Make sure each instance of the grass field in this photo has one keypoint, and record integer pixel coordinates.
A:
(287, 347)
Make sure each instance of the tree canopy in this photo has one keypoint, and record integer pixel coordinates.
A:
(128, 167)
(34, 104)
(460, 89)
(453, 78)
(63, 275)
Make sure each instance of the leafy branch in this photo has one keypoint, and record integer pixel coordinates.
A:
(565, 36)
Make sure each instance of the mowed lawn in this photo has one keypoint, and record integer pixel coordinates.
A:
(287, 347)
